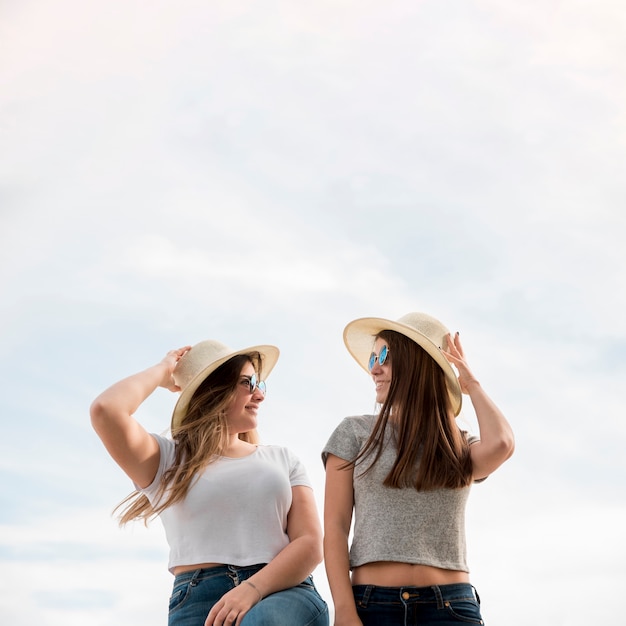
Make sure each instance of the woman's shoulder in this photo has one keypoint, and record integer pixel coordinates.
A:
(358, 423)
(166, 444)
(348, 437)
(354, 428)
(276, 451)
(282, 457)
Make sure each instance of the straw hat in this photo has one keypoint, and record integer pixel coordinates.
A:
(203, 359)
(423, 329)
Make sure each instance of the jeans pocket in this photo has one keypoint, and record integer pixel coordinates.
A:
(178, 597)
(464, 611)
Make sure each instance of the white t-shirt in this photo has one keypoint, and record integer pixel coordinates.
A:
(235, 512)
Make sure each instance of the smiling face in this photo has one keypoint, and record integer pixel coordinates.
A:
(241, 416)
(381, 374)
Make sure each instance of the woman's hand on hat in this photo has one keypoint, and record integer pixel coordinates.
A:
(170, 360)
(455, 355)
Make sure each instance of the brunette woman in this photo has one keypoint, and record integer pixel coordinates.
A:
(405, 475)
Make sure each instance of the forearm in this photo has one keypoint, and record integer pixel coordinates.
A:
(494, 428)
(497, 442)
(124, 397)
(290, 566)
(337, 564)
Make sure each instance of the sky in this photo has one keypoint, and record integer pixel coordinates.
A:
(266, 172)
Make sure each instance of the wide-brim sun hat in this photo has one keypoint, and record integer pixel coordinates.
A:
(426, 331)
(202, 360)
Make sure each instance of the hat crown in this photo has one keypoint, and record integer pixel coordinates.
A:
(428, 326)
(201, 356)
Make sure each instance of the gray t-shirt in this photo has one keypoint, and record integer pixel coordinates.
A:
(402, 525)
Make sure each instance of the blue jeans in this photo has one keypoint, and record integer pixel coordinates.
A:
(440, 605)
(195, 592)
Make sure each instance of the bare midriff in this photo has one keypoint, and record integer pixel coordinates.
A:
(181, 569)
(391, 574)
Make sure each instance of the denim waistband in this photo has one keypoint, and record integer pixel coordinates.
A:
(243, 571)
(432, 593)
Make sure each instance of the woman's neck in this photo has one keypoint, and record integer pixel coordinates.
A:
(238, 448)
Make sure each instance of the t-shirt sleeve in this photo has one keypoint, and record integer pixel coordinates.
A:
(343, 442)
(472, 439)
(166, 458)
(298, 476)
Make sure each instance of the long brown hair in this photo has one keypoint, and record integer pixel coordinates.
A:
(424, 427)
(200, 438)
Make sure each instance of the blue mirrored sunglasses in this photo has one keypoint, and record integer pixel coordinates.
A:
(255, 384)
(381, 357)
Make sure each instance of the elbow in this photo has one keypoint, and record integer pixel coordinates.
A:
(318, 557)
(508, 446)
(503, 448)
(313, 549)
(101, 414)
(97, 413)
(316, 551)
(310, 550)
(511, 448)
(489, 457)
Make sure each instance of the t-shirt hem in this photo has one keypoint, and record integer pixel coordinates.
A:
(243, 562)
(456, 567)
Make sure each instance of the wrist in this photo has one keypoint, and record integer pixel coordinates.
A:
(346, 610)
(348, 616)
(251, 584)
(163, 373)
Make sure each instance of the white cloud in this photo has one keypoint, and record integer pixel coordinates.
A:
(79, 566)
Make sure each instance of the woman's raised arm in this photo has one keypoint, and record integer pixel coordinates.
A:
(126, 440)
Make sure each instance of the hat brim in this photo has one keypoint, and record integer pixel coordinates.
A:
(359, 336)
(269, 357)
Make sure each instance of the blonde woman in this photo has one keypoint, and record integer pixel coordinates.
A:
(405, 475)
(240, 517)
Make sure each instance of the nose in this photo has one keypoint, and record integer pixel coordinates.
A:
(376, 368)
(258, 395)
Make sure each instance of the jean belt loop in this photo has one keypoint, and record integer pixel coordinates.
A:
(194, 579)
(476, 594)
(438, 595)
(366, 596)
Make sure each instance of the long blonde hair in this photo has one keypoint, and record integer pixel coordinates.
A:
(200, 438)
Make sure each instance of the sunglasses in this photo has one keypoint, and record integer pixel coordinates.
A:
(381, 357)
(253, 384)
